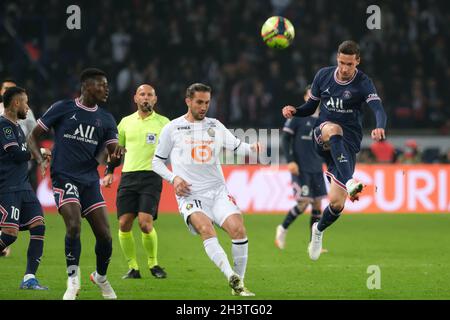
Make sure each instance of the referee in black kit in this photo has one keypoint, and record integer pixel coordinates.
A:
(140, 188)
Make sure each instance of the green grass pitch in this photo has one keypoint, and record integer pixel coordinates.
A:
(410, 250)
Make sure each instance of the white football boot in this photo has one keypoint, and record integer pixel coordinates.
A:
(315, 246)
(73, 286)
(280, 237)
(105, 287)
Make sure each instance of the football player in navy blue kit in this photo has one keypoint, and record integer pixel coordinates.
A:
(305, 166)
(19, 207)
(82, 131)
(341, 91)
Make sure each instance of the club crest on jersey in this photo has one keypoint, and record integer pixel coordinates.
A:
(189, 206)
(151, 138)
(211, 132)
(346, 95)
(9, 133)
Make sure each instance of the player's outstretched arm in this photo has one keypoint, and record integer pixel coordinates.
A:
(306, 109)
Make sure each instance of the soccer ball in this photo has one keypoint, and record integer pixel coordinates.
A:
(278, 32)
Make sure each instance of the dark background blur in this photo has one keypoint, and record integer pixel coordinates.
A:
(171, 44)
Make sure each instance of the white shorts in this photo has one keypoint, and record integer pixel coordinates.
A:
(217, 204)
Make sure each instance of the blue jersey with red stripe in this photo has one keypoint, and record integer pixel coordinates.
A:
(13, 174)
(341, 102)
(81, 133)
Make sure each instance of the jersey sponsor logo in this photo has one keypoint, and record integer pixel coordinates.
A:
(83, 133)
(346, 95)
(184, 128)
(201, 153)
(9, 133)
(337, 105)
(150, 138)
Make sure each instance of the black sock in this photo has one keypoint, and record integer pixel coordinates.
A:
(103, 250)
(291, 216)
(315, 217)
(341, 157)
(35, 248)
(6, 240)
(329, 216)
(73, 252)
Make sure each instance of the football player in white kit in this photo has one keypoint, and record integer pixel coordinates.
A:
(193, 143)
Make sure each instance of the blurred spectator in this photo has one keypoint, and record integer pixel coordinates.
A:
(174, 43)
(411, 153)
(365, 156)
(384, 151)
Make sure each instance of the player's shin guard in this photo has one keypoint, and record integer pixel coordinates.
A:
(315, 217)
(73, 252)
(103, 250)
(239, 251)
(329, 216)
(217, 255)
(291, 216)
(6, 240)
(341, 157)
(35, 248)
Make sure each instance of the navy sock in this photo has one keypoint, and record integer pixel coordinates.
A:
(341, 157)
(315, 217)
(291, 216)
(35, 248)
(103, 250)
(6, 240)
(73, 252)
(329, 216)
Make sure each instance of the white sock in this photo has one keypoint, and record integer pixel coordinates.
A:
(99, 278)
(239, 250)
(216, 253)
(28, 277)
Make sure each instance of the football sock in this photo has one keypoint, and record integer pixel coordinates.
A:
(73, 252)
(217, 255)
(329, 216)
(291, 216)
(341, 157)
(315, 217)
(35, 248)
(6, 240)
(150, 243)
(126, 240)
(239, 251)
(103, 250)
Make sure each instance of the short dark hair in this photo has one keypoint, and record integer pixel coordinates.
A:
(10, 94)
(196, 87)
(349, 47)
(91, 73)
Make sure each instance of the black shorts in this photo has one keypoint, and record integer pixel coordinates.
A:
(139, 191)
(309, 186)
(20, 209)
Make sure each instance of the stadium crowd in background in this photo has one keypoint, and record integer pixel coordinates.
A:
(221, 45)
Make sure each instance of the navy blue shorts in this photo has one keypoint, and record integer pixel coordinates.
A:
(323, 149)
(309, 186)
(20, 209)
(88, 196)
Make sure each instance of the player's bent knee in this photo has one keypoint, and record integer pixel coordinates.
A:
(331, 129)
(11, 232)
(301, 205)
(73, 230)
(206, 231)
(146, 227)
